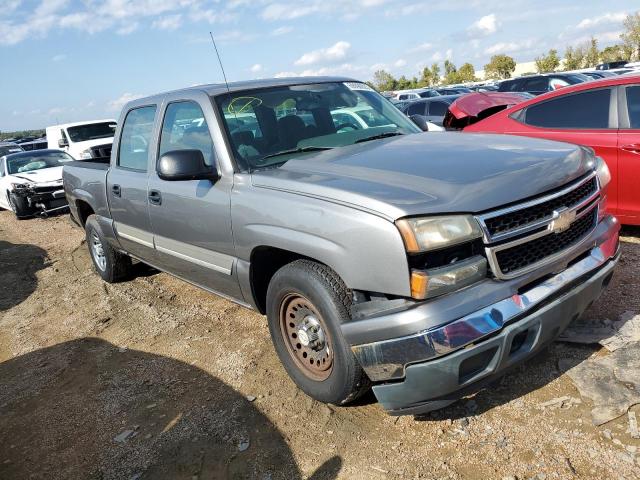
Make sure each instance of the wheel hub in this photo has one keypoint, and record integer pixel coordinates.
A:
(306, 336)
(310, 333)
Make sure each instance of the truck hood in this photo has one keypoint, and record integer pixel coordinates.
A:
(431, 173)
(51, 175)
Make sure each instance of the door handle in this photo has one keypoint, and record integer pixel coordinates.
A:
(116, 190)
(632, 147)
(155, 197)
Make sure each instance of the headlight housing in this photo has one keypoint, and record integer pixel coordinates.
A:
(431, 233)
(85, 154)
(446, 235)
(604, 175)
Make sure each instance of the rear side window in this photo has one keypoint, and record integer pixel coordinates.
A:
(438, 108)
(184, 128)
(540, 84)
(1, 167)
(136, 134)
(581, 110)
(416, 109)
(633, 106)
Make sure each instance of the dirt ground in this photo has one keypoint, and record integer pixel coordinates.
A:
(153, 378)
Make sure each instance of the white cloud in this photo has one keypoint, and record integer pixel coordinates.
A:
(510, 47)
(289, 11)
(400, 63)
(59, 58)
(332, 54)
(372, 3)
(169, 23)
(281, 31)
(436, 57)
(256, 68)
(128, 28)
(606, 19)
(484, 26)
(423, 47)
(118, 103)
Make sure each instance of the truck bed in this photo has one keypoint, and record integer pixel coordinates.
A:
(85, 181)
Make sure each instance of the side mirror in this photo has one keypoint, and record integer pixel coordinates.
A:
(420, 121)
(185, 165)
(62, 142)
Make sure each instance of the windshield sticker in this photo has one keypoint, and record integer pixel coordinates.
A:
(359, 86)
(242, 104)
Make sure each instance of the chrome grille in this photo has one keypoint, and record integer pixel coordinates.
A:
(523, 237)
(536, 213)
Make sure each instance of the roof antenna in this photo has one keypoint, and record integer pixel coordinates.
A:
(224, 75)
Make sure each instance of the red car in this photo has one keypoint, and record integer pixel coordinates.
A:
(602, 114)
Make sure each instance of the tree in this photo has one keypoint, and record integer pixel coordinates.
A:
(615, 53)
(548, 63)
(384, 81)
(435, 73)
(450, 73)
(631, 35)
(466, 73)
(592, 57)
(574, 57)
(500, 67)
(404, 83)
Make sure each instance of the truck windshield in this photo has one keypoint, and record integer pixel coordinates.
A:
(91, 131)
(36, 161)
(269, 126)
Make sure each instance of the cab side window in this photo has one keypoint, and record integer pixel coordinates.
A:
(133, 152)
(185, 128)
(633, 106)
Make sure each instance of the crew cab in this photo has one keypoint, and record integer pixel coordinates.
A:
(419, 265)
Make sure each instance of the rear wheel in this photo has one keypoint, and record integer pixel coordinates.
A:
(306, 302)
(111, 265)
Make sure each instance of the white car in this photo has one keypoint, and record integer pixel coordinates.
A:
(358, 118)
(31, 182)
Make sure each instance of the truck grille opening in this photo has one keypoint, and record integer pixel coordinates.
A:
(520, 238)
(528, 216)
(101, 151)
(528, 253)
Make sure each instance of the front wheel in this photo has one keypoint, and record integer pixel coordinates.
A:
(20, 207)
(306, 302)
(111, 265)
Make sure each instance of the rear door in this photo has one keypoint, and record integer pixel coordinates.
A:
(586, 118)
(629, 155)
(127, 182)
(191, 219)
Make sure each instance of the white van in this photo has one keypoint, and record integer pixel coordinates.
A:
(83, 140)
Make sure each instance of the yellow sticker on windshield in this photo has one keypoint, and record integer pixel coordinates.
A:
(242, 104)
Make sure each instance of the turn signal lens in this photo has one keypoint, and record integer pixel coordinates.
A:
(438, 281)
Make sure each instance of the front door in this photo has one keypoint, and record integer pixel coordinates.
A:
(191, 219)
(629, 159)
(127, 183)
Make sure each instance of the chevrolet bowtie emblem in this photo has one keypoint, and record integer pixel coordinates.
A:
(562, 220)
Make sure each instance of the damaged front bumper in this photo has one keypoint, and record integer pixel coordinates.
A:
(430, 369)
(42, 199)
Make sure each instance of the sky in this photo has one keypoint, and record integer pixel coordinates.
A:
(72, 60)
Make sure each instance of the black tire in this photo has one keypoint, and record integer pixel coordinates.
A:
(112, 266)
(21, 207)
(331, 299)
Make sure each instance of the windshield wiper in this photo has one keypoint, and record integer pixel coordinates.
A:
(296, 150)
(380, 135)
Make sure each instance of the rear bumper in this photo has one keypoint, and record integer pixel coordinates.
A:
(431, 369)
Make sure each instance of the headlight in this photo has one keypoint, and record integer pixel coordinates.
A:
(18, 186)
(85, 154)
(432, 233)
(604, 175)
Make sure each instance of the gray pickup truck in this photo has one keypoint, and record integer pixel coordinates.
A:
(422, 265)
